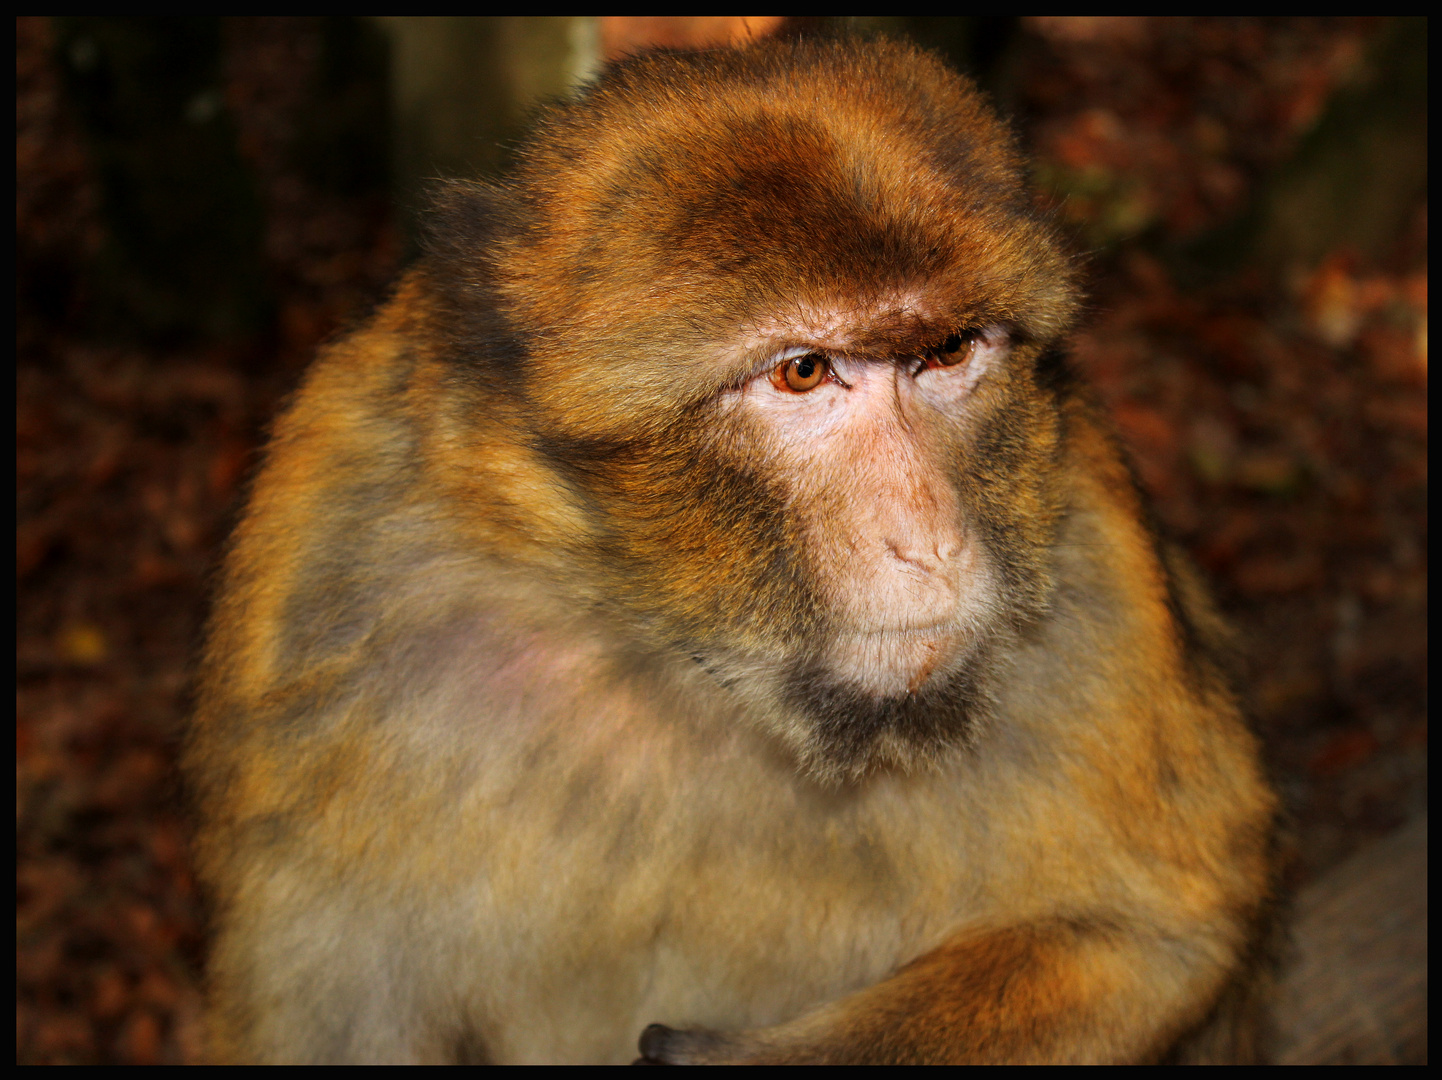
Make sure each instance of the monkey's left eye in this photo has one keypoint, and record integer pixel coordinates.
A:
(953, 352)
(801, 373)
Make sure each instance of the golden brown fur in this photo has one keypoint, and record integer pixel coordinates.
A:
(544, 698)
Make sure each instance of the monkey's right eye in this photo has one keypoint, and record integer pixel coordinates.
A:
(801, 373)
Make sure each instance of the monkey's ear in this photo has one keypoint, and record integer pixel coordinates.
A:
(465, 219)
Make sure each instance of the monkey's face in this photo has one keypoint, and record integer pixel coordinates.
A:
(782, 346)
(864, 450)
(917, 533)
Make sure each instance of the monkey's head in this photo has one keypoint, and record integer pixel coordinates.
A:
(776, 321)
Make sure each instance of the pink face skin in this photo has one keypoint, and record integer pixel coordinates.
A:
(865, 455)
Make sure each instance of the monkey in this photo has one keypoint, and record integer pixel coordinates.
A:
(702, 615)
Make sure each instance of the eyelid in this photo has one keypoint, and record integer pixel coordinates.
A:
(791, 353)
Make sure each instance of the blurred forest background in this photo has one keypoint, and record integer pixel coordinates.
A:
(201, 202)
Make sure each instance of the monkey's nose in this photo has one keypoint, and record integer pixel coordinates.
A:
(930, 555)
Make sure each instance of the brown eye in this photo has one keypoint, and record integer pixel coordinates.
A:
(954, 350)
(801, 373)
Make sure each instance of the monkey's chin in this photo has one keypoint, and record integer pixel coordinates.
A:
(893, 701)
(893, 663)
(868, 702)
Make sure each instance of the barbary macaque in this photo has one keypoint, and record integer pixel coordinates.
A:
(702, 607)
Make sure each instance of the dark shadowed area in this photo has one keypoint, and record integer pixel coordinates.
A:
(201, 202)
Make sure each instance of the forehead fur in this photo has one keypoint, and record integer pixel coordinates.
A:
(687, 198)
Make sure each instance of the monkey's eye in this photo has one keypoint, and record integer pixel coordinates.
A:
(801, 373)
(952, 352)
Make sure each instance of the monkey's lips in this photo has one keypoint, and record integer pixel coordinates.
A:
(892, 662)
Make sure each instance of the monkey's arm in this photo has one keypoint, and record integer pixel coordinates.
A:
(1064, 990)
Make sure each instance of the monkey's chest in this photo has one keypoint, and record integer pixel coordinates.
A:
(731, 904)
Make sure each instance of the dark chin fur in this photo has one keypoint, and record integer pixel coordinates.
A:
(854, 732)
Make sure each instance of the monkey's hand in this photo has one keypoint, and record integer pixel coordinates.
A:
(661, 1045)
(1059, 991)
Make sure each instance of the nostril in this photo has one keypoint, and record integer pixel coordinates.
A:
(929, 557)
(916, 555)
